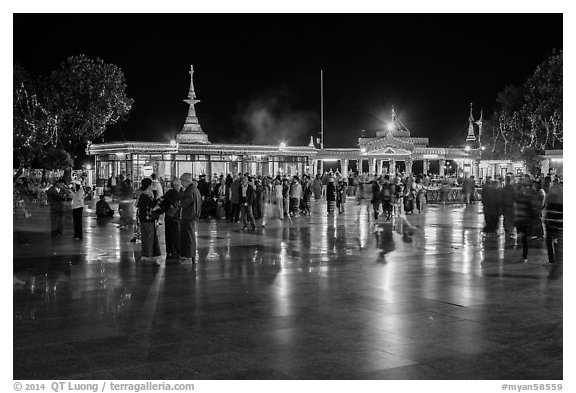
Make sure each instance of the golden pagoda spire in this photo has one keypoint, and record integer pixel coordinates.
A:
(471, 136)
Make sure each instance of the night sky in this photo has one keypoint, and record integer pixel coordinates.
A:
(258, 76)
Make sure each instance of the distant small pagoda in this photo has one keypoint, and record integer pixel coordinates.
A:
(192, 131)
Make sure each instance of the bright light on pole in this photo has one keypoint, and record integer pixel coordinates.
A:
(390, 126)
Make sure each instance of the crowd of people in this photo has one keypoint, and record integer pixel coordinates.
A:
(527, 206)
(531, 208)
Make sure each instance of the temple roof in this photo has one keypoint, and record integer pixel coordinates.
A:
(193, 148)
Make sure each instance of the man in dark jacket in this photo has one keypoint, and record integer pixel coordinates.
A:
(507, 197)
(204, 187)
(235, 200)
(247, 202)
(191, 204)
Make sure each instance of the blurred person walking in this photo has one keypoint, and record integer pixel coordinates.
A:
(376, 197)
(330, 196)
(554, 222)
(540, 204)
(491, 206)
(21, 201)
(525, 213)
(125, 193)
(56, 195)
(317, 187)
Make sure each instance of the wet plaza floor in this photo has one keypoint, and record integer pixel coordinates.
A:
(425, 297)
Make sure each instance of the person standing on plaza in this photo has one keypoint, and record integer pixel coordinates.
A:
(295, 196)
(235, 199)
(342, 195)
(325, 179)
(56, 195)
(330, 196)
(525, 213)
(554, 222)
(548, 181)
(468, 188)
(157, 188)
(444, 190)
(125, 194)
(376, 197)
(263, 195)
(76, 191)
(507, 204)
(540, 203)
(221, 196)
(306, 194)
(490, 205)
(112, 182)
(258, 199)
(247, 200)
(317, 187)
(351, 184)
(228, 206)
(387, 195)
(360, 184)
(397, 188)
(21, 210)
(148, 213)
(278, 197)
(204, 188)
(286, 197)
(191, 203)
(170, 204)
(420, 195)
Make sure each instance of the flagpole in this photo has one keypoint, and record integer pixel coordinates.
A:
(321, 110)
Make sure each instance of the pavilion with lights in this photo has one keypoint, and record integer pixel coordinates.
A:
(392, 150)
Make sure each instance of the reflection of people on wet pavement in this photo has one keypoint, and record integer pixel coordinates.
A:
(384, 238)
(404, 228)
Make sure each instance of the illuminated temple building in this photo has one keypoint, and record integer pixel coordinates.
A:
(391, 150)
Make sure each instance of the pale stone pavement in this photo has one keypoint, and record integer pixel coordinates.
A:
(426, 297)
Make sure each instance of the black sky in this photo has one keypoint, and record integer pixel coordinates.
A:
(258, 76)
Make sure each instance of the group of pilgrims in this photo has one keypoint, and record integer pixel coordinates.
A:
(531, 208)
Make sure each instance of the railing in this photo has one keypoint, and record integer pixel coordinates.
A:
(433, 195)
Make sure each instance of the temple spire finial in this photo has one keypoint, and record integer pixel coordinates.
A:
(471, 137)
(192, 131)
(311, 144)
